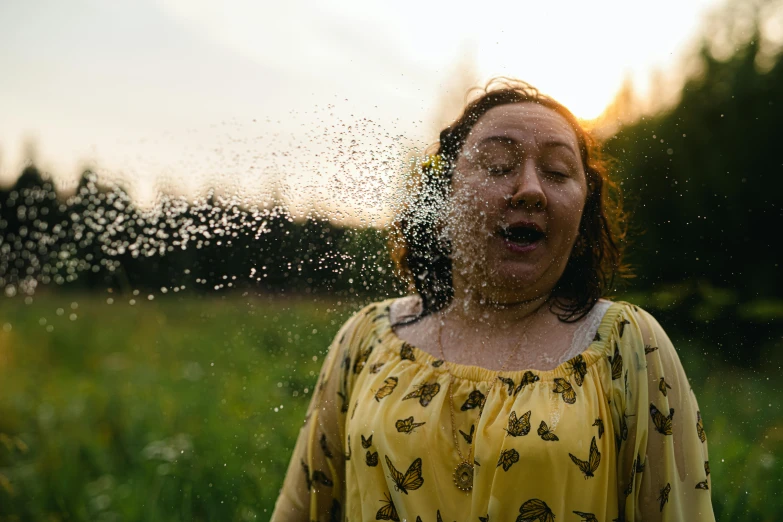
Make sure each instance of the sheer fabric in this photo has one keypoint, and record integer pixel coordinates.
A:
(613, 433)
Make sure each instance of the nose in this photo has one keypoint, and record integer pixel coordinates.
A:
(528, 190)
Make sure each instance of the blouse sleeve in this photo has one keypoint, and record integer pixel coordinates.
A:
(663, 466)
(314, 486)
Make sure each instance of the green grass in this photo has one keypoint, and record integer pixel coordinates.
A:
(186, 408)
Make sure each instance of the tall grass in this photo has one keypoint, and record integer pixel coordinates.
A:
(183, 408)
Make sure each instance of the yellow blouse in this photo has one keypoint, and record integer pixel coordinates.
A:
(613, 434)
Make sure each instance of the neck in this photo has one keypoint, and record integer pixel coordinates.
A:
(479, 311)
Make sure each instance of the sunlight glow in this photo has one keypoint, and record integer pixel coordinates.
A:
(270, 76)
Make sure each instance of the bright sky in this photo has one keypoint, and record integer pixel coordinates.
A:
(195, 91)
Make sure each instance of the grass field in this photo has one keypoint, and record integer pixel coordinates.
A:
(186, 408)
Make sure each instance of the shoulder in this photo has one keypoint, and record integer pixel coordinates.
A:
(644, 323)
(404, 309)
(634, 319)
(395, 310)
(364, 322)
(644, 344)
(634, 335)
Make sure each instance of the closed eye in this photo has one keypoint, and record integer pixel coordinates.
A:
(499, 169)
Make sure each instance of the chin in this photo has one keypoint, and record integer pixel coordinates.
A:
(515, 272)
(513, 282)
(521, 279)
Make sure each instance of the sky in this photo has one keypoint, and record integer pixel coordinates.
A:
(300, 98)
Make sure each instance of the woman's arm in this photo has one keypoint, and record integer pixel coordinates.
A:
(314, 485)
(663, 465)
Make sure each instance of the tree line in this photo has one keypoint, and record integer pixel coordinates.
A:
(703, 181)
(98, 239)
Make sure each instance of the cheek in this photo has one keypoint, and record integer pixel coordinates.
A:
(471, 217)
(479, 193)
(467, 200)
(567, 213)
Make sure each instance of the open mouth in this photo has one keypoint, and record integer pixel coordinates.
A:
(522, 235)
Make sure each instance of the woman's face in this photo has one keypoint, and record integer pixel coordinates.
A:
(518, 192)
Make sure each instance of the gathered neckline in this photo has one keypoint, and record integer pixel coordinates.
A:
(592, 354)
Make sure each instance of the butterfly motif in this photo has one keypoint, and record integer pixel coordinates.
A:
(617, 363)
(520, 426)
(387, 512)
(591, 464)
(663, 424)
(626, 382)
(624, 425)
(586, 517)
(345, 372)
(306, 470)
(564, 387)
(376, 367)
(366, 443)
(578, 367)
(629, 489)
(649, 349)
(334, 512)
(484, 519)
(639, 465)
(527, 378)
(325, 446)
(407, 425)
(343, 402)
(639, 364)
(388, 386)
(664, 386)
(412, 478)
(476, 399)
(535, 510)
(707, 467)
(600, 424)
(348, 454)
(507, 458)
(424, 392)
(700, 427)
(545, 433)
(358, 365)
(353, 411)
(438, 518)
(469, 437)
(702, 485)
(597, 337)
(317, 476)
(406, 352)
(664, 496)
(508, 382)
(371, 458)
(622, 325)
(437, 364)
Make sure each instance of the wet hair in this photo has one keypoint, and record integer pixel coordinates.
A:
(423, 258)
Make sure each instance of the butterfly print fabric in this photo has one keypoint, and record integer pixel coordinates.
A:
(377, 442)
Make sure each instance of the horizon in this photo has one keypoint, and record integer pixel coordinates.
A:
(321, 103)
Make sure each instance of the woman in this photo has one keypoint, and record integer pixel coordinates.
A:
(506, 388)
